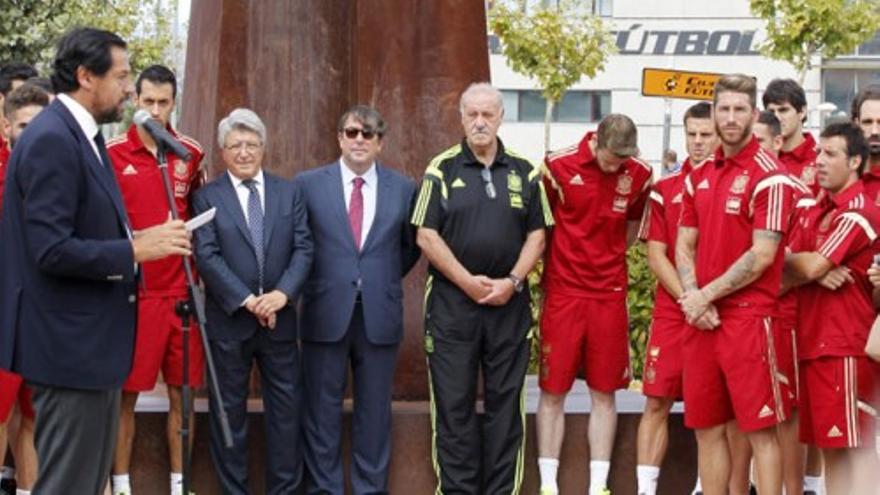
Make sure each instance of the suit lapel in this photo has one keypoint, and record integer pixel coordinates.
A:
(101, 172)
(230, 201)
(272, 201)
(336, 193)
(383, 204)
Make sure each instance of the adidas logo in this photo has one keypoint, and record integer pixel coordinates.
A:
(457, 183)
(576, 180)
(765, 411)
(129, 170)
(704, 184)
(834, 432)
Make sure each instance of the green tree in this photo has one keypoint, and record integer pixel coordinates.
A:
(556, 45)
(29, 29)
(798, 30)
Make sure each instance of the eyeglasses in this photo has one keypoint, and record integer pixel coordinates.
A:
(250, 147)
(486, 174)
(352, 133)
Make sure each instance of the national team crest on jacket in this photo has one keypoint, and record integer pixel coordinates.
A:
(739, 184)
(181, 171)
(624, 184)
(808, 175)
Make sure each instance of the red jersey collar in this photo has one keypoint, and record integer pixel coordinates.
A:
(135, 139)
(804, 152)
(742, 159)
(873, 173)
(844, 197)
(584, 148)
(688, 165)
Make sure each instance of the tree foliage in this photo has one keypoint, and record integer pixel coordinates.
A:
(29, 29)
(555, 45)
(798, 30)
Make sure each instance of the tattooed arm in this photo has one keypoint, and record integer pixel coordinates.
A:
(685, 253)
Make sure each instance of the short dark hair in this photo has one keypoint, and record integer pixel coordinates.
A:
(83, 47)
(157, 74)
(769, 119)
(24, 96)
(365, 115)
(41, 82)
(856, 144)
(781, 91)
(13, 71)
(869, 92)
(701, 110)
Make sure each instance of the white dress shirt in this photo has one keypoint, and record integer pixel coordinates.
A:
(244, 193)
(368, 190)
(85, 120)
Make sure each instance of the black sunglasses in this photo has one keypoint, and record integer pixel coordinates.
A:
(352, 133)
(486, 174)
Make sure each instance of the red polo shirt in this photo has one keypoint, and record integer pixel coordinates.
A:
(727, 199)
(587, 249)
(801, 162)
(661, 225)
(145, 202)
(843, 229)
(871, 181)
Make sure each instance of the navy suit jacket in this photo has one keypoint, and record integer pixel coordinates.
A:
(387, 254)
(68, 291)
(228, 264)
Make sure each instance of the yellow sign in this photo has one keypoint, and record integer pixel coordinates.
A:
(679, 84)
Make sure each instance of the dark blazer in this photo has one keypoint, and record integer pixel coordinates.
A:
(388, 253)
(68, 300)
(228, 265)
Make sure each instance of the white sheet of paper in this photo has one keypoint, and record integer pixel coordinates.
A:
(200, 220)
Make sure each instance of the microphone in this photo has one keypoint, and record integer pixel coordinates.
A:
(159, 134)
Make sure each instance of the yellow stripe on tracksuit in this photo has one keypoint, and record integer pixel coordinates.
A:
(433, 407)
(433, 170)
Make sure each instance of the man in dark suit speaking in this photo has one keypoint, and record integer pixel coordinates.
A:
(254, 258)
(352, 305)
(68, 265)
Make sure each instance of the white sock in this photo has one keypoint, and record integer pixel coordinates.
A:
(19, 491)
(121, 483)
(548, 467)
(7, 473)
(176, 483)
(698, 487)
(599, 476)
(647, 476)
(814, 483)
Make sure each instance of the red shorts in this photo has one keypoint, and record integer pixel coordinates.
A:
(664, 358)
(731, 373)
(159, 344)
(786, 359)
(579, 331)
(838, 402)
(12, 388)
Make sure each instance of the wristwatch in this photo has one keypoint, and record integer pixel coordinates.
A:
(517, 282)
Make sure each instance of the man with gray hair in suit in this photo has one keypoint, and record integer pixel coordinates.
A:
(254, 259)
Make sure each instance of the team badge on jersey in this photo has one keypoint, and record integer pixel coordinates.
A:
(514, 183)
(181, 189)
(516, 201)
(181, 171)
(624, 185)
(732, 206)
(620, 204)
(739, 184)
(808, 175)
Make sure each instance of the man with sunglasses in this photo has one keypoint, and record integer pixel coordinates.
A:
(358, 213)
(597, 191)
(481, 215)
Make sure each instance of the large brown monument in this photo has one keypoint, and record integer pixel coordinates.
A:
(300, 63)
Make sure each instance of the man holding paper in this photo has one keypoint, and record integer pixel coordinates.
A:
(254, 258)
(159, 339)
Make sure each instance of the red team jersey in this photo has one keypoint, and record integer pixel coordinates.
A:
(591, 209)
(661, 225)
(842, 229)
(728, 199)
(871, 181)
(144, 196)
(801, 163)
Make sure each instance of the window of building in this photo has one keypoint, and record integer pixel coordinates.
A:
(576, 106)
(839, 86)
(603, 8)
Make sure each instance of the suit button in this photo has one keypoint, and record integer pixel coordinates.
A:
(132, 298)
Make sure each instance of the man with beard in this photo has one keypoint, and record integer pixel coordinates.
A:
(735, 211)
(866, 114)
(786, 99)
(69, 261)
(663, 359)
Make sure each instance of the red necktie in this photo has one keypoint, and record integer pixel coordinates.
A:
(356, 211)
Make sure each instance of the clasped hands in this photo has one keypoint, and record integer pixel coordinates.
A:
(266, 306)
(698, 310)
(489, 291)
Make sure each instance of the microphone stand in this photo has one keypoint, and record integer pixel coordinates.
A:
(194, 304)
